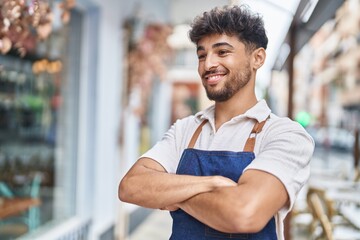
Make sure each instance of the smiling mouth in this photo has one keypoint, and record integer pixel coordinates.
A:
(213, 79)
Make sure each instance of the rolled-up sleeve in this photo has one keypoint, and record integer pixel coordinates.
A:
(168, 150)
(285, 152)
(163, 151)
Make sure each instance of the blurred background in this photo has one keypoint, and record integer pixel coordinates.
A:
(86, 86)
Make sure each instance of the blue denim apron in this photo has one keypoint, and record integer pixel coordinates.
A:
(209, 163)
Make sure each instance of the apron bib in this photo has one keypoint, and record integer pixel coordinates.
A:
(209, 163)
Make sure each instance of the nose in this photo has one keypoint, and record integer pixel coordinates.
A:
(210, 62)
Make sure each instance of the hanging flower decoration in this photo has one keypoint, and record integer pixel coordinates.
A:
(24, 22)
(66, 6)
(149, 59)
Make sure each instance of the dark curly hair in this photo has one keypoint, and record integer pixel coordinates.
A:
(234, 21)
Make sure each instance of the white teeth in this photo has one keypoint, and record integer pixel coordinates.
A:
(214, 77)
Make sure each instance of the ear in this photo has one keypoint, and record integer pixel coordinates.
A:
(259, 56)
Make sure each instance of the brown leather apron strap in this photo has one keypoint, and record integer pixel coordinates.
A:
(196, 134)
(250, 142)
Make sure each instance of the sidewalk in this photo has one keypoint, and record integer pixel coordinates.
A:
(157, 226)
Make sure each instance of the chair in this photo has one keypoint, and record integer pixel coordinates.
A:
(320, 215)
(329, 231)
(330, 208)
(33, 219)
(327, 207)
(32, 216)
(5, 191)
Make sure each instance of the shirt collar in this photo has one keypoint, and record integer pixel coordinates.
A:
(259, 112)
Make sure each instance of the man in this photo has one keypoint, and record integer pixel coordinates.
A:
(234, 169)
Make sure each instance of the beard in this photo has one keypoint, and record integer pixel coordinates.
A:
(231, 86)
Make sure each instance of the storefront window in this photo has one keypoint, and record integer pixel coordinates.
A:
(38, 122)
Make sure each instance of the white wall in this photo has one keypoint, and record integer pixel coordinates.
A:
(100, 109)
(184, 11)
(108, 89)
(149, 11)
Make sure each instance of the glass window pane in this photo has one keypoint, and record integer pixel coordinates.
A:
(38, 132)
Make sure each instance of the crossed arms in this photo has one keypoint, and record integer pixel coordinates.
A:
(219, 202)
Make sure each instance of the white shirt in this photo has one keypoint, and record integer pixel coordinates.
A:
(283, 148)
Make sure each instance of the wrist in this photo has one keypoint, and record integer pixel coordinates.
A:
(220, 181)
(211, 183)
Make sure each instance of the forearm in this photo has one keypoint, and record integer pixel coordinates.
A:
(148, 184)
(220, 209)
(246, 207)
(154, 189)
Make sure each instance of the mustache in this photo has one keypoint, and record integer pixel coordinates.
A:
(215, 71)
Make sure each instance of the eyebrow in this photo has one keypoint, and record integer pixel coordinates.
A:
(200, 48)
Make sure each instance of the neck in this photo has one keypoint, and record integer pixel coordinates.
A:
(238, 104)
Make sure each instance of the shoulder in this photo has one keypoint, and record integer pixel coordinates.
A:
(286, 133)
(182, 129)
(186, 123)
(191, 122)
(283, 124)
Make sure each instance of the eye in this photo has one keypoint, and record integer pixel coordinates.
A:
(223, 52)
(201, 56)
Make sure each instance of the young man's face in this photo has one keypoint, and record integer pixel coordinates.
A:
(224, 66)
